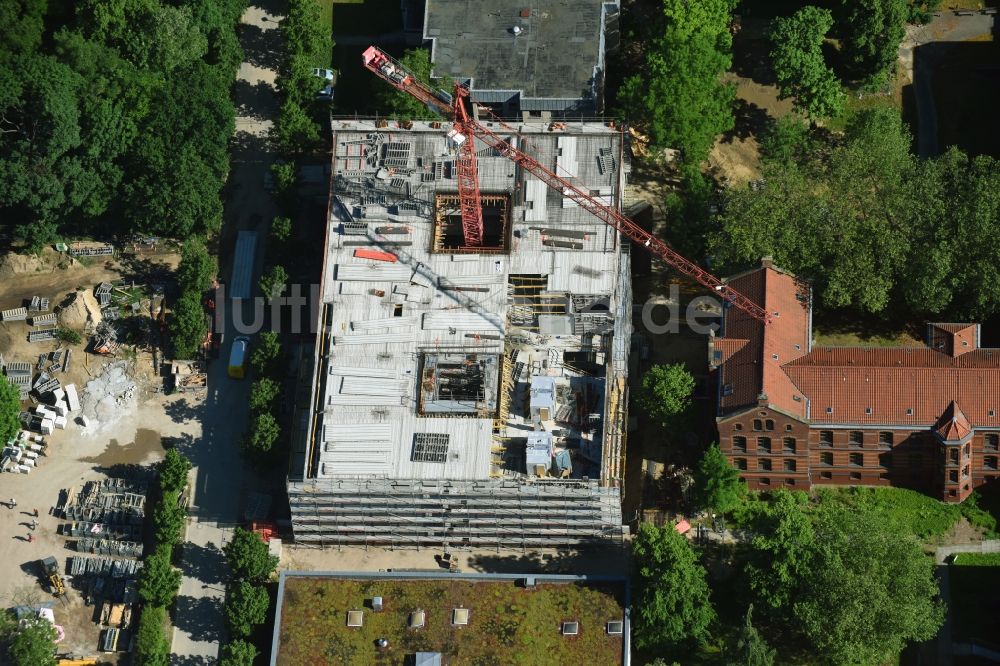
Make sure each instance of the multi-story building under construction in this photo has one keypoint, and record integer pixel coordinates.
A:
(466, 396)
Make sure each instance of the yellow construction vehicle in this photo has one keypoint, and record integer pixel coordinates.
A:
(50, 568)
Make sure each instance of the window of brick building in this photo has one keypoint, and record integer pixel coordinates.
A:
(758, 424)
(826, 475)
(826, 438)
(991, 442)
(789, 465)
(885, 439)
(737, 426)
(857, 459)
(857, 438)
(741, 463)
(764, 482)
(855, 476)
(826, 458)
(789, 482)
(990, 462)
(952, 493)
(764, 464)
(764, 444)
(953, 456)
(740, 444)
(769, 424)
(789, 444)
(788, 427)
(953, 476)
(965, 472)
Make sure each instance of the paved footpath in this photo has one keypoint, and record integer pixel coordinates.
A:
(222, 415)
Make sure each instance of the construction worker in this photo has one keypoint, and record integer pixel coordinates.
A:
(36, 513)
(13, 502)
(34, 524)
(31, 538)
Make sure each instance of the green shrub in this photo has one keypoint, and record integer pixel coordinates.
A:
(68, 335)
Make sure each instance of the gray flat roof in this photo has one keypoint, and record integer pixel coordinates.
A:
(556, 53)
(419, 341)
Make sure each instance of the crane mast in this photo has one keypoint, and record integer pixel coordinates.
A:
(457, 107)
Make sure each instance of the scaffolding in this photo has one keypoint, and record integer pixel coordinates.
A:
(501, 514)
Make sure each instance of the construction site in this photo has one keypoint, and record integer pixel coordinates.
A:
(470, 386)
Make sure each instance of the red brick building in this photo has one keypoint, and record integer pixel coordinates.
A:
(794, 415)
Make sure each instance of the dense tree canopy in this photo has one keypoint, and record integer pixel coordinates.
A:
(115, 115)
(679, 96)
(238, 653)
(848, 580)
(797, 58)
(870, 224)
(401, 105)
(672, 606)
(870, 592)
(34, 645)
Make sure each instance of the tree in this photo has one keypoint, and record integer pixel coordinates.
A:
(22, 24)
(870, 592)
(673, 597)
(187, 325)
(168, 519)
(717, 483)
(295, 131)
(238, 653)
(264, 434)
(34, 645)
(833, 215)
(783, 550)
(197, 267)
(173, 471)
(248, 557)
(152, 648)
(246, 607)
(679, 95)
(872, 31)
(273, 282)
(266, 354)
(68, 335)
(666, 392)
(263, 393)
(281, 229)
(159, 581)
(750, 649)
(10, 409)
(797, 57)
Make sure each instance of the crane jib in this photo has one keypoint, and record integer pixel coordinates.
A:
(455, 108)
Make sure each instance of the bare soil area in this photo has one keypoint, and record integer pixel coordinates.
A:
(74, 455)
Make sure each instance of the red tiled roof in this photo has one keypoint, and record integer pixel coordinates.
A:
(954, 427)
(954, 339)
(755, 367)
(908, 386)
(897, 386)
(725, 348)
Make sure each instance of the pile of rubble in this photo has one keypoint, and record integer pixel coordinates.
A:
(109, 395)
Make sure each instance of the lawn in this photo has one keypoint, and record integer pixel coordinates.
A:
(507, 624)
(975, 597)
(923, 516)
(852, 339)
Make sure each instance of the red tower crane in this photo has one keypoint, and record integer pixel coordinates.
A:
(467, 129)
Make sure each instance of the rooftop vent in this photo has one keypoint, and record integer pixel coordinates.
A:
(355, 618)
(571, 628)
(616, 628)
